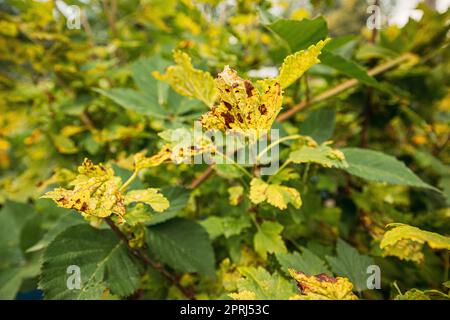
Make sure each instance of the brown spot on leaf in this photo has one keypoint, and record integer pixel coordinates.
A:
(262, 108)
(227, 105)
(84, 206)
(248, 88)
(228, 118)
(325, 277)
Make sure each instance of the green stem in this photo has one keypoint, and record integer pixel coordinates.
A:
(273, 144)
(235, 164)
(284, 165)
(129, 181)
(305, 174)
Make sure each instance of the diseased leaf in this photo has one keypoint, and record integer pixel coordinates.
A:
(376, 166)
(95, 193)
(406, 242)
(150, 196)
(261, 285)
(322, 287)
(268, 239)
(188, 81)
(243, 106)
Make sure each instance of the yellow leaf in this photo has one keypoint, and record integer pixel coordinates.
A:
(235, 194)
(277, 195)
(188, 81)
(95, 193)
(242, 106)
(406, 242)
(295, 65)
(150, 196)
(322, 287)
(243, 295)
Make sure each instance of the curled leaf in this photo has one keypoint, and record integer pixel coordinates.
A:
(406, 242)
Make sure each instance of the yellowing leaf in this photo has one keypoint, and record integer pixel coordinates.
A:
(406, 242)
(322, 287)
(277, 195)
(241, 106)
(235, 194)
(268, 239)
(149, 196)
(163, 156)
(295, 65)
(323, 155)
(243, 295)
(95, 193)
(188, 81)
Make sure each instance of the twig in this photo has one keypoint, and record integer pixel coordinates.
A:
(87, 28)
(197, 181)
(142, 255)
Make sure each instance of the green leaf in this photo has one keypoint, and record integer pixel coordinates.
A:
(135, 101)
(268, 239)
(259, 284)
(319, 125)
(306, 262)
(182, 244)
(14, 218)
(65, 221)
(376, 166)
(142, 75)
(227, 226)
(300, 34)
(103, 260)
(351, 264)
(348, 67)
(323, 155)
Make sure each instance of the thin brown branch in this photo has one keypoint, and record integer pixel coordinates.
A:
(197, 181)
(142, 255)
(87, 28)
